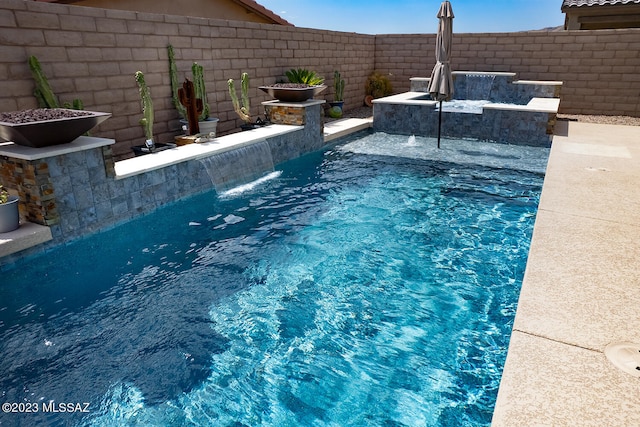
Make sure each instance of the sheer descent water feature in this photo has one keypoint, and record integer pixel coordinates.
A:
(80, 189)
(243, 164)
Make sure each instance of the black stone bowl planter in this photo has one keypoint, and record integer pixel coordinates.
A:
(286, 93)
(45, 127)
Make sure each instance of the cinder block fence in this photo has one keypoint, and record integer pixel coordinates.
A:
(92, 54)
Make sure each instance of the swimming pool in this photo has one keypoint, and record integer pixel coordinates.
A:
(374, 283)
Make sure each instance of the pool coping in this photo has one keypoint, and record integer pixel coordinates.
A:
(535, 105)
(142, 164)
(579, 292)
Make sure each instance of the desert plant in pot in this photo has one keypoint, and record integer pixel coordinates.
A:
(206, 125)
(51, 123)
(337, 105)
(303, 85)
(147, 120)
(9, 212)
(242, 106)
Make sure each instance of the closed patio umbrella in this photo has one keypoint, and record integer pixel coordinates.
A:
(441, 84)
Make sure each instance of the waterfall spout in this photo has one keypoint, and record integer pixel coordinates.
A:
(477, 86)
(239, 166)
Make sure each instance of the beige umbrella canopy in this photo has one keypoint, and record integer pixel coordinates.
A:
(441, 84)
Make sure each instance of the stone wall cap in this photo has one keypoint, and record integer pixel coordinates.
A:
(82, 143)
(309, 103)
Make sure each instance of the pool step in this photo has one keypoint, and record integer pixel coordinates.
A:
(343, 127)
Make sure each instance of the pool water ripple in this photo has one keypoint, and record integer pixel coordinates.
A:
(354, 288)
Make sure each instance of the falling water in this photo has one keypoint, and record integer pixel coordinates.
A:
(477, 86)
(239, 166)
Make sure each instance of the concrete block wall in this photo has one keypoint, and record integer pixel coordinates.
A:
(92, 54)
(600, 68)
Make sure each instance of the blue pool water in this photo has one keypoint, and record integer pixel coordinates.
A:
(372, 284)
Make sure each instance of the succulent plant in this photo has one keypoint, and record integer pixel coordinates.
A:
(173, 77)
(147, 108)
(43, 92)
(304, 76)
(338, 84)
(244, 110)
(199, 86)
(201, 92)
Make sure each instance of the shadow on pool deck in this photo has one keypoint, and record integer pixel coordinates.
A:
(580, 291)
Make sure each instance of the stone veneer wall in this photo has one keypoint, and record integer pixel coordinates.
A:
(32, 181)
(502, 126)
(78, 193)
(92, 54)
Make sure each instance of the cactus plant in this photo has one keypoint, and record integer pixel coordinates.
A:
(338, 84)
(201, 92)
(173, 76)
(244, 110)
(199, 86)
(43, 92)
(147, 109)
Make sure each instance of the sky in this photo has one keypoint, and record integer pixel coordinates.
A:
(418, 16)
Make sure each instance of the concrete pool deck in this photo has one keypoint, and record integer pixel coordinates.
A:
(581, 287)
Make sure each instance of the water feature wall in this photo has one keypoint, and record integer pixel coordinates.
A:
(76, 189)
(493, 87)
(504, 109)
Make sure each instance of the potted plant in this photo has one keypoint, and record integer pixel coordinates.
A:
(242, 106)
(335, 111)
(9, 213)
(377, 86)
(303, 85)
(51, 123)
(206, 125)
(147, 120)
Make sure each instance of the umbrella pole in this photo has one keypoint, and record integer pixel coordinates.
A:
(439, 123)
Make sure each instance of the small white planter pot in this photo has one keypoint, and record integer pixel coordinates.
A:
(207, 127)
(9, 215)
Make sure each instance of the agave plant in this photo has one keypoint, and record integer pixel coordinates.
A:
(304, 76)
